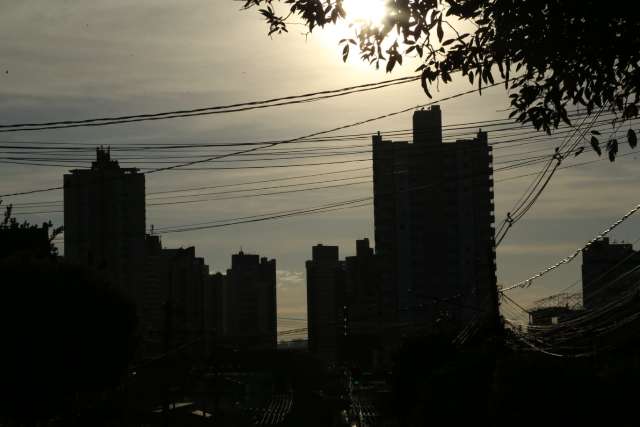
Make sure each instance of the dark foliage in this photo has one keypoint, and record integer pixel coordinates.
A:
(24, 239)
(63, 332)
(437, 384)
(553, 54)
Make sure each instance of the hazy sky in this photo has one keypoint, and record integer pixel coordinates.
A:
(72, 59)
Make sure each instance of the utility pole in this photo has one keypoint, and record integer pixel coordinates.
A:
(168, 323)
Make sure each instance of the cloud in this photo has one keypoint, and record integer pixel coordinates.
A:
(290, 279)
(292, 294)
(558, 248)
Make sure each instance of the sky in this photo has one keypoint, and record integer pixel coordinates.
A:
(72, 59)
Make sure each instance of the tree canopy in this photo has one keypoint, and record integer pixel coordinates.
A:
(24, 239)
(64, 329)
(554, 55)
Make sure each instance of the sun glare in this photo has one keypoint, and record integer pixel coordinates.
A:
(365, 12)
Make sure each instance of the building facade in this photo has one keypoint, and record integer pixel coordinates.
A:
(344, 305)
(364, 312)
(609, 271)
(173, 307)
(434, 232)
(249, 299)
(325, 302)
(104, 220)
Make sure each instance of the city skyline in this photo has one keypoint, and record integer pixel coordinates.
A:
(156, 70)
(320, 213)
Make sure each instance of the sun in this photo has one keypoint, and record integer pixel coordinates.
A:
(365, 12)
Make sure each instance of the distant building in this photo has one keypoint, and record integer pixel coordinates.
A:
(609, 271)
(362, 284)
(249, 297)
(344, 304)
(555, 309)
(363, 307)
(325, 302)
(550, 315)
(434, 234)
(104, 220)
(173, 305)
(104, 211)
(215, 309)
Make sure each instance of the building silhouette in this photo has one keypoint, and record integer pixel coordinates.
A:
(215, 310)
(362, 284)
(363, 307)
(172, 303)
(249, 302)
(555, 309)
(344, 304)
(609, 271)
(104, 211)
(325, 302)
(104, 217)
(434, 215)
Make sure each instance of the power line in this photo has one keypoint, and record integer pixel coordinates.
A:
(56, 188)
(527, 282)
(315, 133)
(196, 197)
(244, 190)
(336, 129)
(539, 184)
(495, 141)
(244, 106)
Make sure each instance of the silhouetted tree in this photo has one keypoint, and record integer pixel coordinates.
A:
(552, 53)
(24, 239)
(64, 332)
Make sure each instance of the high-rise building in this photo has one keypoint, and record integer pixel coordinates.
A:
(172, 300)
(362, 284)
(609, 271)
(344, 307)
(363, 307)
(434, 215)
(215, 309)
(250, 300)
(104, 220)
(325, 302)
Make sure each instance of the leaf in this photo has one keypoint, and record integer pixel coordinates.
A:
(595, 132)
(612, 149)
(578, 152)
(595, 144)
(391, 63)
(440, 31)
(632, 138)
(425, 85)
(345, 53)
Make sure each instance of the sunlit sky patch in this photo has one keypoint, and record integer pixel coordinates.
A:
(364, 12)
